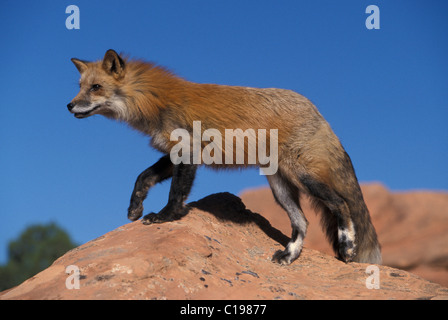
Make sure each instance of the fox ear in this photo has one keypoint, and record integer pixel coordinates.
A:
(80, 64)
(113, 64)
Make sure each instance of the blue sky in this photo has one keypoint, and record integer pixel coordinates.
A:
(384, 92)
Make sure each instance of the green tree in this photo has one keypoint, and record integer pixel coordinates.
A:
(33, 251)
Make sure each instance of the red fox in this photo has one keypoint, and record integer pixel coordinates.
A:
(311, 159)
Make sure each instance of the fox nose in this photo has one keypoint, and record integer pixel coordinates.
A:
(70, 106)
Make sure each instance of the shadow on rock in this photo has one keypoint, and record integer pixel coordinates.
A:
(228, 207)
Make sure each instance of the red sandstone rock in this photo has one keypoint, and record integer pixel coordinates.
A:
(219, 251)
(412, 227)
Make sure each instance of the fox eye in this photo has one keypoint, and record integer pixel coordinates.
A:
(95, 87)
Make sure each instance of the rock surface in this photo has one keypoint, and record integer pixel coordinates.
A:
(220, 250)
(412, 227)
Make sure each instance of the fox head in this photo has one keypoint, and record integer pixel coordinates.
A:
(100, 88)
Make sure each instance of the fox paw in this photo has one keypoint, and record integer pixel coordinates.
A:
(346, 252)
(285, 257)
(165, 215)
(156, 218)
(347, 247)
(135, 212)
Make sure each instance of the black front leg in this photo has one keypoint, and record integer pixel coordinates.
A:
(181, 184)
(158, 172)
